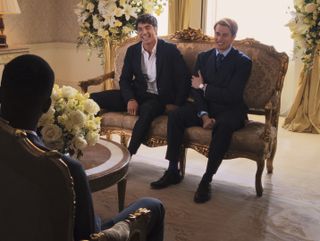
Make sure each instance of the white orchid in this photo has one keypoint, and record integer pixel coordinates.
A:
(111, 19)
(305, 28)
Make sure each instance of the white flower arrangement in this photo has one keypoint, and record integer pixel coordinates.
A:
(70, 124)
(305, 28)
(112, 20)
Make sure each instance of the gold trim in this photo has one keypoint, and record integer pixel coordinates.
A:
(190, 34)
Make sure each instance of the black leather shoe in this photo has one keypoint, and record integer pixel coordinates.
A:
(203, 193)
(169, 178)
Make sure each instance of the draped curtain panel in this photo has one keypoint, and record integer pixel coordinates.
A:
(179, 15)
(304, 115)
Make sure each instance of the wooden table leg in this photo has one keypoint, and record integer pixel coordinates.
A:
(122, 193)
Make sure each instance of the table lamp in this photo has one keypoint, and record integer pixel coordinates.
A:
(6, 7)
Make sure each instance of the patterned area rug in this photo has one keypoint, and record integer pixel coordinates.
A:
(234, 213)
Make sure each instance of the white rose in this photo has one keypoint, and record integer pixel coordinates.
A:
(92, 138)
(299, 3)
(90, 106)
(73, 104)
(96, 22)
(148, 6)
(51, 133)
(301, 28)
(310, 7)
(47, 118)
(77, 118)
(90, 7)
(56, 93)
(79, 142)
(68, 91)
(103, 33)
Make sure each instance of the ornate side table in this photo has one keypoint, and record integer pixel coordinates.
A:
(107, 164)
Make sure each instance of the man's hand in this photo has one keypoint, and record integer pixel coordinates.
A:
(132, 107)
(196, 81)
(207, 122)
(170, 107)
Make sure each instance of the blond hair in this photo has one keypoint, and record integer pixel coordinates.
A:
(229, 23)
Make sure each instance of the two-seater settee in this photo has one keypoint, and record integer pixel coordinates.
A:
(256, 141)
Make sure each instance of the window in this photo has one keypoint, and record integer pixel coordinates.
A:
(262, 20)
(163, 20)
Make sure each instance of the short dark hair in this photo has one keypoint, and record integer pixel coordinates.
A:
(230, 23)
(147, 18)
(28, 75)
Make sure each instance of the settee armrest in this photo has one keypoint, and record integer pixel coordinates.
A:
(272, 109)
(84, 85)
(134, 228)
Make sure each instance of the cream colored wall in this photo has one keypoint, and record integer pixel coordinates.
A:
(42, 21)
(50, 31)
(70, 64)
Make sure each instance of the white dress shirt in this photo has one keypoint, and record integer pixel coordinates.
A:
(149, 68)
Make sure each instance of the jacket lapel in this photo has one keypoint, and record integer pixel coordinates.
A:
(138, 58)
(227, 62)
(159, 60)
(211, 66)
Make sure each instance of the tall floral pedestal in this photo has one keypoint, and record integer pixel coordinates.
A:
(109, 62)
(304, 115)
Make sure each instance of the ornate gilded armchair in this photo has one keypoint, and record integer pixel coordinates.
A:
(37, 197)
(256, 141)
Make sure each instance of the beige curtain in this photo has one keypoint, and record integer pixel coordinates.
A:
(304, 115)
(179, 15)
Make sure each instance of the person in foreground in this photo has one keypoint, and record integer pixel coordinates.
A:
(154, 80)
(218, 83)
(24, 96)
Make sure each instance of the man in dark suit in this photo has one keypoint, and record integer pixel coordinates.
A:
(25, 95)
(218, 84)
(154, 80)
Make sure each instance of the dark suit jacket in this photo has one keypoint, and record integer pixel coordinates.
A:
(173, 78)
(225, 86)
(84, 223)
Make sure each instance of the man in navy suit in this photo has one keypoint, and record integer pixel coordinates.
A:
(25, 91)
(154, 80)
(219, 79)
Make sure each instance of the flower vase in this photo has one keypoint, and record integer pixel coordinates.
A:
(109, 62)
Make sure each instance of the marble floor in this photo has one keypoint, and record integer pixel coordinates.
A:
(292, 191)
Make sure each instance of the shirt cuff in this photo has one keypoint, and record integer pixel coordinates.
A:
(202, 113)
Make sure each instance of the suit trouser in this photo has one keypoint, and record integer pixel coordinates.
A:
(155, 227)
(149, 108)
(186, 116)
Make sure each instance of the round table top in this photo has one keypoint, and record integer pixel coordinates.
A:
(105, 164)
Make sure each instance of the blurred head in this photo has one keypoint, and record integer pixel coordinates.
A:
(225, 31)
(25, 90)
(147, 27)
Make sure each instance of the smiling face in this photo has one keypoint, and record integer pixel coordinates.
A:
(223, 37)
(147, 34)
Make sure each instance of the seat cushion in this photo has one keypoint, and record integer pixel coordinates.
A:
(246, 140)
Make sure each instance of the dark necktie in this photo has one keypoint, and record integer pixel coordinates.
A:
(219, 60)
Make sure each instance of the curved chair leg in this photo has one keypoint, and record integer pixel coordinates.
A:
(182, 160)
(260, 167)
(270, 159)
(124, 139)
